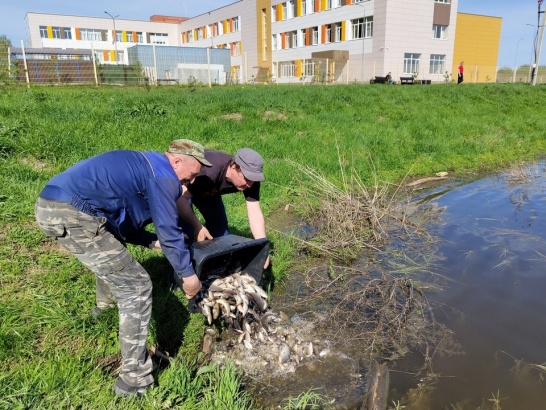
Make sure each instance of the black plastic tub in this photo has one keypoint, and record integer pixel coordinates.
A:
(225, 255)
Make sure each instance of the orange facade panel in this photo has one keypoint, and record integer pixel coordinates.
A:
(167, 19)
(323, 34)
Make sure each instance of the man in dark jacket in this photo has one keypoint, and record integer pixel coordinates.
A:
(97, 206)
(242, 172)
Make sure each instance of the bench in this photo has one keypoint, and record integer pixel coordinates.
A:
(406, 80)
(380, 80)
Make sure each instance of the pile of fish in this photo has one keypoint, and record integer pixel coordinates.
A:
(234, 297)
(263, 338)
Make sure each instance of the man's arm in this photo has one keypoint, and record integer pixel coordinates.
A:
(256, 221)
(163, 210)
(186, 212)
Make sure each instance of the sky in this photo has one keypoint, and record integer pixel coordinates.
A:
(519, 18)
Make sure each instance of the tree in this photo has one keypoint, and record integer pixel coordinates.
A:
(5, 44)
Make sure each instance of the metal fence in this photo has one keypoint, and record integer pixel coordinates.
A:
(168, 65)
(149, 65)
(522, 74)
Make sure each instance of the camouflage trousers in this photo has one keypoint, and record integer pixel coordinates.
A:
(120, 279)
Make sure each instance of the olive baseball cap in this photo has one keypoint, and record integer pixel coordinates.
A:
(188, 147)
(251, 164)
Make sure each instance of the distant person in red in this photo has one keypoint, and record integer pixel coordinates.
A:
(460, 73)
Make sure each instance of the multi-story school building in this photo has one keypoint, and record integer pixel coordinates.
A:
(299, 40)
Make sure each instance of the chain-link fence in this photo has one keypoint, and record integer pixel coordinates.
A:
(522, 74)
(148, 65)
(168, 65)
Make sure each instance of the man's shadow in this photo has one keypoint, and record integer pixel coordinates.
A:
(170, 315)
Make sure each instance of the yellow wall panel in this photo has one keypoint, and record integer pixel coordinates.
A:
(299, 65)
(477, 40)
(49, 32)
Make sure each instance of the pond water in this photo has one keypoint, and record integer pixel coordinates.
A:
(490, 246)
(493, 237)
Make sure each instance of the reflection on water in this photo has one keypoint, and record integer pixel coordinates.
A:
(493, 235)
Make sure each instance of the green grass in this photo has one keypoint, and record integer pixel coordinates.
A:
(50, 349)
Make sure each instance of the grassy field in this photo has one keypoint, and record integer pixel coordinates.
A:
(52, 355)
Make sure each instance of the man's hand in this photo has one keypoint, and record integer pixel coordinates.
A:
(191, 285)
(202, 234)
(155, 245)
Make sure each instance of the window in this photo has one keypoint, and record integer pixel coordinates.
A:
(158, 38)
(439, 31)
(411, 63)
(303, 36)
(190, 36)
(294, 35)
(43, 31)
(200, 33)
(235, 49)
(236, 23)
(314, 35)
(304, 7)
(290, 6)
(336, 3)
(337, 36)
(56, 32)
(328, 4)
(362, 28)
(119, 36)
(357, 1)
(328, 33)
(67, 33)
(89, 34)
(209, 30)
(437, 63)
(274, 42)
(309, 68)
(309, 7)
(442, 1)
(273, 14)
(288, 68)
(139, 37)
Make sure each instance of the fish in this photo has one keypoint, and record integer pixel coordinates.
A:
(207, 312)
(260, 302)
(284, 354)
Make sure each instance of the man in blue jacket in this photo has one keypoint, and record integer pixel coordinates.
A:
(97, 206)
